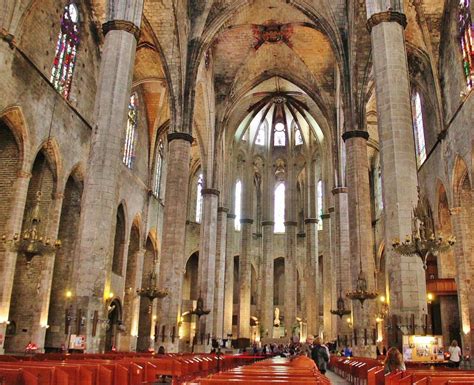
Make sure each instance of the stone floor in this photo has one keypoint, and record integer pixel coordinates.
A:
(335, 379)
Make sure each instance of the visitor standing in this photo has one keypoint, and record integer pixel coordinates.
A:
(319, 355)
(455, 354)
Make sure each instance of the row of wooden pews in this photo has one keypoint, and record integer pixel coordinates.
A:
(275, 371)
(112, 369)
(367, 371)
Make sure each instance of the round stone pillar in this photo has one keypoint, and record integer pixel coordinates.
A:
(172, 262)
(407, 290)
(361, 251)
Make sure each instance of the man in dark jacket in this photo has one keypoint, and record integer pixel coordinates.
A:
(320, 356)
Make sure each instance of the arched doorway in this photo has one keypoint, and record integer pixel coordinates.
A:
(145, 317)
(190, 295)
(114, 320)
(56, 334)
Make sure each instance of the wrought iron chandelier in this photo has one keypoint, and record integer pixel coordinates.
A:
(341, 307)
(422, 242)
(361, 293)
(152, 291)
(32, 241)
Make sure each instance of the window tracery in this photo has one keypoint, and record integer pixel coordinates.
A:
(298, 136)
(466, 41)
(131, 132)
(158, 169)
(279, 136)
(260, 137)
(418, 128)
(66, 50)
(200, 182)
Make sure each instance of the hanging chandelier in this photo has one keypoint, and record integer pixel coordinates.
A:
(341, 307)
(151, 291)
(422, 242)
(361, 293)
(32, 241)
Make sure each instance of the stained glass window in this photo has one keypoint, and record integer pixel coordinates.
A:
(418, 128)
(237, 204)
(319, 193)
(467, 46)
(200, 182)
(279, 209)
(260, 138)
(158, 169)
(131, 133)
(298, 136)
(66, 50)
(279, 137)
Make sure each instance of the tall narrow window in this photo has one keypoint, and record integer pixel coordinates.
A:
(378, 189)
(279, 137)
(158, 169)
(279, 209)
(298, 136)
(260, 138)
(199, 199)
(66, 50)
(131, 133)
(418, 128)
(319, 193)
(466, 40)
(237, 204)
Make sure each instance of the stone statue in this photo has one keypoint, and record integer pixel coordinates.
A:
(276, 321)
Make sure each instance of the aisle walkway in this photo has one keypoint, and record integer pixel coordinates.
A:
(335, 379)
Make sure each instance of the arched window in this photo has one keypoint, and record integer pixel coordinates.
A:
(200, 182)
(279, 209)
(466, 40)
(418, 128)
(237, 204)
(260, 137)
(158, 169)
(279, 136)
(298, 136)
(378, 189)
(131, 133)
(66, 50)
(319, 193)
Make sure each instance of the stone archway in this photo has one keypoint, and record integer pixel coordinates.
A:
(114, 320)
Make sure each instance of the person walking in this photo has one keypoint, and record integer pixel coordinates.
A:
(320, 355)
(394, 361)
(455, 354)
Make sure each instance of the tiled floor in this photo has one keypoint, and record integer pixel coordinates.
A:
(335, 379)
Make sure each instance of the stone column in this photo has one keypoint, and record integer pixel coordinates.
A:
(463, 277)
(291, 226)
(405, 274)
(7, 257)
(229, 275)
(329, 281)
(245, 276)
(219, 302)
(172, 263)
(207, 257)
(342, 250)
(361, 251)
(95, 248)
(267, 252)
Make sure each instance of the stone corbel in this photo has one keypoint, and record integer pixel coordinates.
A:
(121, 25)
(387, 16)
(8, 37)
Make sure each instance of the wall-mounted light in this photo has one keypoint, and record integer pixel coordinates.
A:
(430, 297)
(68, 294)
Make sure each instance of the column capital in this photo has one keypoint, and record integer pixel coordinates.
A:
(339, 190)
(326, 216)
(268, 223)
(8, 37)
(222, 209)
(455, 210)
(310, 220)
(210, 191)
(330, 210)
(180, 135)
(355, 134)
(387, 16)
(121, 25)
(23, 174)
(246, 220)
(231, 216)
(290, 223)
